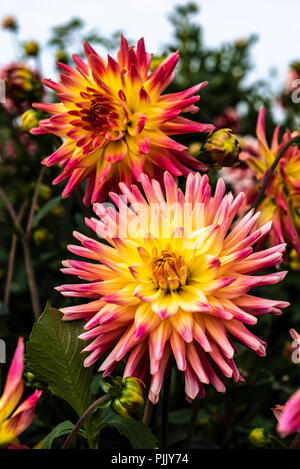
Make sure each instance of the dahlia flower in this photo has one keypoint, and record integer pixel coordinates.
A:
(172, 281)
(282, 196)
(15, 421)
(289, 418)
(116, 124)
(22, 87)
(231, 119)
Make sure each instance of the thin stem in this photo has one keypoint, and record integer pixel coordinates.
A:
(31, 277)
(27, 255)
(11, 211)
(165, 412)
(269, 174)
(34, 198)
(11, 261)
(148, 412)
(192, 424)
(82, 419)
(296, 442)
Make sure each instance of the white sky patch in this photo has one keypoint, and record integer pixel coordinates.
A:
(276, 23)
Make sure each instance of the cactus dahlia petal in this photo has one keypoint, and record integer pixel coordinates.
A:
(282, 201)
(173, 281)
(15, 421)
(116, 124)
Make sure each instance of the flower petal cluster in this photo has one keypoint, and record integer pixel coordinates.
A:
(115, 122)
(172, 279)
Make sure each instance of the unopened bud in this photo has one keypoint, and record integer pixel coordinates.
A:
(258, 437)
(31, 48)
(126, 394)
(62, 56)
(29, 120)
(10, 22)
(221, 149)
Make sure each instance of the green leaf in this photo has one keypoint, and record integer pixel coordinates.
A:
(139, 435)
(53, 354)
(45, 210)
(64, 428)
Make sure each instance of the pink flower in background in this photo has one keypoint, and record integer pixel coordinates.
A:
(289, 420)
(22, 87)
(229, 119)
(13, 421)
(282, 196)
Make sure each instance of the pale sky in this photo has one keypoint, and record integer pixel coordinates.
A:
(275, 21)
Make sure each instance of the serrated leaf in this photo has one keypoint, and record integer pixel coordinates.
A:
(139, 435)
(64, 428)
(45, 210)
(53, 354)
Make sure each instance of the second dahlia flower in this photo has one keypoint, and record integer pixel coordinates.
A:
(116, 123)
(173, 280)
(13, 421)
(22, 87)
(288, 416)
(282, 196)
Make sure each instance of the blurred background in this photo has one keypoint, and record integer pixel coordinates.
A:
(249, 53)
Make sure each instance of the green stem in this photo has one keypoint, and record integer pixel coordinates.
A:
(148, 412)
(269, 175)
(192, 424)
(81, 421)
(165, 412)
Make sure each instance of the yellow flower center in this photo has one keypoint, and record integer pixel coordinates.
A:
(169, 270)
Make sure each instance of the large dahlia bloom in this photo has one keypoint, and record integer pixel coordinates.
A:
(14, 421)
(282, 201)
(116, 124)
(172, 281)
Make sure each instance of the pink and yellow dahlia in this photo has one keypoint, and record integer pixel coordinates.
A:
(173, 280)
(288, 416)
(14, 421)
(116, 124)
(282, 201)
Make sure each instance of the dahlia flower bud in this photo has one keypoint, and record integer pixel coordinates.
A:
(195, 148)
(62, 56)
(30, 119)
(31, 48)
(258, 437)
(126, 394)
(10, 22)
(221, 149)
(22, 85)
(41, 236)
(156, 61)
